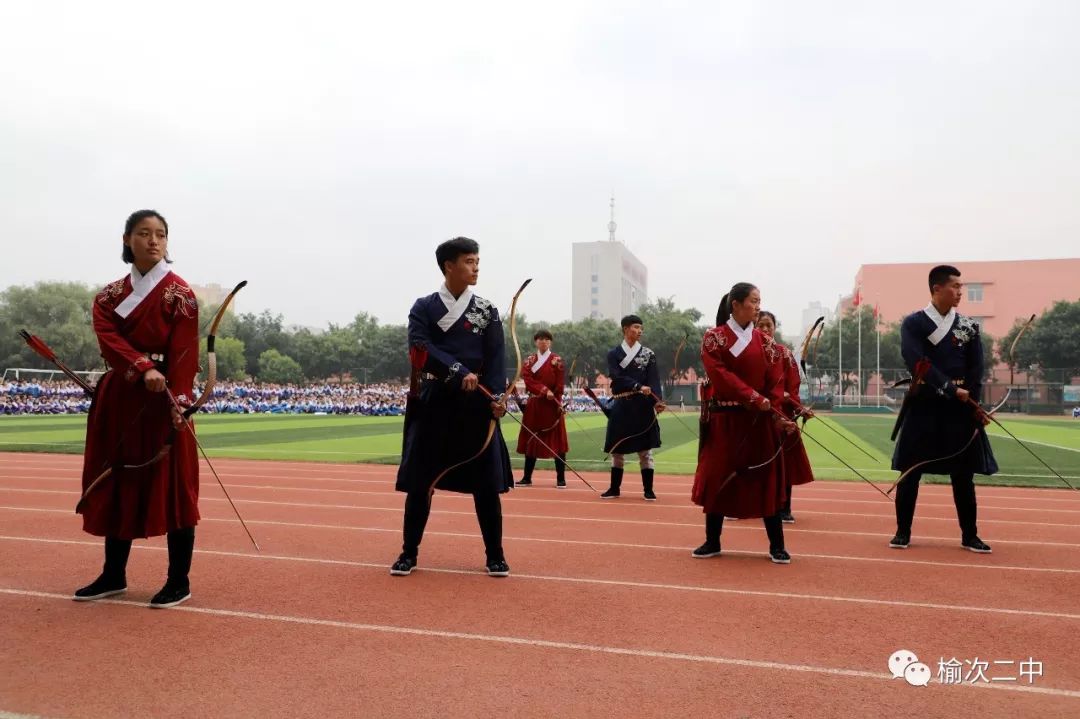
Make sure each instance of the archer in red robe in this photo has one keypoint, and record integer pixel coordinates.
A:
(545, 380)
(740, 470)
(148, 330)
(797, 468)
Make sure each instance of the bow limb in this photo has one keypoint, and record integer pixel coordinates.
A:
(1012, 347)
(211, 354)
(804, 348)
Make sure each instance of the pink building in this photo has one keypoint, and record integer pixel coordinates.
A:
(996, 293)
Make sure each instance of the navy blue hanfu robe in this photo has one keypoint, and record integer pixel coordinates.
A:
(935, 423)
(629, 415)
(445, 425)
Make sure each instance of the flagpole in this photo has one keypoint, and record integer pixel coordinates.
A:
(877, 333)
(840, 350)
(858, 361)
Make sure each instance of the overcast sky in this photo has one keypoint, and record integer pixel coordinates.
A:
(321, 150)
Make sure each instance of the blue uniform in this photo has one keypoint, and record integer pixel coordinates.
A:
(630, 415)
(443, 424)
(935, 423)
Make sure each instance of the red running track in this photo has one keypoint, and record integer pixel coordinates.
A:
(605, 613)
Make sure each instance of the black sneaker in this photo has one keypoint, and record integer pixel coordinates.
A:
(170, 595)
(650, 496)
(976, 545)
(780, 556)
(525, 482)
(900, 541)
(100, 588)
(786, 518)
(560, 483)
(706, 550)
(498, 569)
(610, 494)
(403, 566)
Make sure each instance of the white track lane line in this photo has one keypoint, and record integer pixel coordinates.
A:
(537, 643)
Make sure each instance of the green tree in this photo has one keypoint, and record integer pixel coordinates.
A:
(260, 333)
(59, 313)
(665, 328)
(1052, 342)
(279, 368)
(229, 351)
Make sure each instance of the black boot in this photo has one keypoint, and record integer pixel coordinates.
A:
(647, 484)
(616, 482)
(907, 493)
(113, 579)
(560, 470)
(530, 465)
(177, 589)
(785, 513)
(774, 527)
(714, 524)
(489, 515)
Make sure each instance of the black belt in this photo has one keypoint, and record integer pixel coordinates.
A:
(716, 405)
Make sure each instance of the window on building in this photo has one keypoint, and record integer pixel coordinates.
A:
(594, 314)
(596, 278)
(975, 292)
(595, 302)
(596, 290)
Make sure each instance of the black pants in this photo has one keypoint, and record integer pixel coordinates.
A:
(560, 467)
(774, 529)
(488, 514)
(181, 547)
(963, 492)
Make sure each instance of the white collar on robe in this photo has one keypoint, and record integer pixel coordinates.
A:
(743, 336)
(540, 361)
(455, 308)
(631, 353)
(141, 286)
(944, 324)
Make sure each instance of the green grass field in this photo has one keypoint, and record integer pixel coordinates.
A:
(378, 439)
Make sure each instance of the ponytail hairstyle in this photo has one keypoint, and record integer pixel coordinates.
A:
(723, 311)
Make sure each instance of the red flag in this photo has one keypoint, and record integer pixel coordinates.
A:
(858, 297)
(875, 310)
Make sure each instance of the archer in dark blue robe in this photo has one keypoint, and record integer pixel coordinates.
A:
(632, 423)
(934, 423)
(445, 426)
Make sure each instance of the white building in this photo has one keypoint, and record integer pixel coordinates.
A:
(809, 315)
(608, 281)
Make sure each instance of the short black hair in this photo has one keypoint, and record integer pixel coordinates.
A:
(133, 221)
(941, 274)
(770, 315)
(543, 334)
(450, 250)
(631, 320)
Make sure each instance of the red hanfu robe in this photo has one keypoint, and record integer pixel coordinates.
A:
(542, 415)
(128, 424)
(739, 435)
(796, 464)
